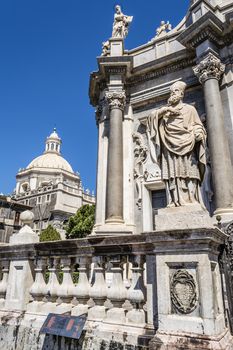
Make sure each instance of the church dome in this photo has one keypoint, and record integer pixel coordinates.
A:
(51, 158)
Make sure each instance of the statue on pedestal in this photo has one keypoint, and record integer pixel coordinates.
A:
(179, 138)
(121, 23)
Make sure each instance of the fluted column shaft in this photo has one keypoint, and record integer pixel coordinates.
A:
(114, 195)
(209, 72)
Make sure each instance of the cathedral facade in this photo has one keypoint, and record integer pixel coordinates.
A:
(156, 271)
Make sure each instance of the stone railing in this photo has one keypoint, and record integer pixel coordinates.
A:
(129, 284)
(94, 276)
(115, 301)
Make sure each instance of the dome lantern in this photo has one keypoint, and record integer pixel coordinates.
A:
(53, 143)
(51, 158)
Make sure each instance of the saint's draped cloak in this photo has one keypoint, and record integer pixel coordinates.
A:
(177, 151)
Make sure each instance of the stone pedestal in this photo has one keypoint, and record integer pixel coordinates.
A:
(189, 291)
(19, 284)
(186, 217)
(116, 46)
(21, 270)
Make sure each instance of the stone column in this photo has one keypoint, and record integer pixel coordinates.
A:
(114, 195)
(209, 72)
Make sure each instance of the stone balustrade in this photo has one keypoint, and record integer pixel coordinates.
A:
(124, 284)
(108, 285)
(55, 291)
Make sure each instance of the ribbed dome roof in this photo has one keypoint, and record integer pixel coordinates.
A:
(51, 158)
(51, 161)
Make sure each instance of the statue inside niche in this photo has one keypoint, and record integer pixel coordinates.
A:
(121, 23)
(179, 140)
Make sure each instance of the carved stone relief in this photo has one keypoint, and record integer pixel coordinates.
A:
(206, 187)
(140, 156)
(183, 292)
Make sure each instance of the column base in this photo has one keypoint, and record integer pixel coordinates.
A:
(191, 342)
(115, 220)
(113, 229)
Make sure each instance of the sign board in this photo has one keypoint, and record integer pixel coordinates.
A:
(64, 326)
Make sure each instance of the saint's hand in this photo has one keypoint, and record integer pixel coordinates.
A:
(198, 136)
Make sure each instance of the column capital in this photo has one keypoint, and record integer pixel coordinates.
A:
(116, 99)
(209, 68)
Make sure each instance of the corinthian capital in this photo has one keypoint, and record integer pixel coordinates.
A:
(116, 99)
(209, 68)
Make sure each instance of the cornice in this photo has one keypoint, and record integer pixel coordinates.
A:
(158, 71)
(208, 26)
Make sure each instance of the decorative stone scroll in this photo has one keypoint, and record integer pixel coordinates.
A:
(116, 99)
(183, 292)
(209, 68)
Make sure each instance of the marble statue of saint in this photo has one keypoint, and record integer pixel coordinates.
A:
(179, 138)
(121, 23)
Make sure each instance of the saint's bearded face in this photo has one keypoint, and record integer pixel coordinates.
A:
(176, 96)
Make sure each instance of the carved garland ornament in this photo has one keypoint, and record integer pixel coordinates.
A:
(116, 99)
(183, 292)
(210, 67)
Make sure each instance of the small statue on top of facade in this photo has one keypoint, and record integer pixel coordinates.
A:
(164, 27)
(105, 48)
(121, 23)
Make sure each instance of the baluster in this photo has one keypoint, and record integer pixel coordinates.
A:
(98, 292)
(82, 289)
(64, 291)
(117, 292)
(39, 287)
(136, 293)
(3, 283)
(52, 287)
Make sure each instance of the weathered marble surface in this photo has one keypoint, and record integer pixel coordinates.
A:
(188, 217)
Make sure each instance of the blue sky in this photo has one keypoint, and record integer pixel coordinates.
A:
(48, 50)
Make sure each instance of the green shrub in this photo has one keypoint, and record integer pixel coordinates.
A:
(81, 224)
(74, 276)
(50, 234)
